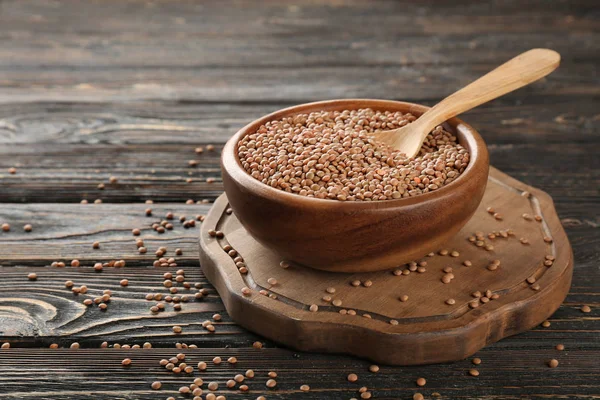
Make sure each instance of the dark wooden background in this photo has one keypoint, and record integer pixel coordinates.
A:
(92, 89)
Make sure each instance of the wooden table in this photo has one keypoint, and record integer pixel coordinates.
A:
(128, 89)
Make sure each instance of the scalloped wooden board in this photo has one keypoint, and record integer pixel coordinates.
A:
(423, 329)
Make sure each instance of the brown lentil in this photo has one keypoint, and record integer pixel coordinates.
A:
(450, 301)
(334, 155)
(586, 309)
(421, 382)
(476, 361)
(304, 388)
(473, 372)
(272, 374)
(126, 362)
(418, 396)
(553, 363)
(352, 378)
(32, 276)
(271, 383)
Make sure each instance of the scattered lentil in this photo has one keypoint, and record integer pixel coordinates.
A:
(421, 382)
(271, 383)
(553, 363)
(586, 309)
(473, 372)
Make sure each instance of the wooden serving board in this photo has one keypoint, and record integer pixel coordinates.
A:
(373, 322)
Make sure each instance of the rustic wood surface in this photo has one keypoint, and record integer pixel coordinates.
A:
(90, 90)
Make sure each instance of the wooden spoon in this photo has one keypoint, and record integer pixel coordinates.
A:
(514, 74)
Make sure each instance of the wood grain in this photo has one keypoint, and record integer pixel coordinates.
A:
(426, 328)
(44, 311)
(84, 373)
(159, 78)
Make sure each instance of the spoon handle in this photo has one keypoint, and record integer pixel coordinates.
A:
(520, 71)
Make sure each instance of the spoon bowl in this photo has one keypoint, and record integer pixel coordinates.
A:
(348, 236)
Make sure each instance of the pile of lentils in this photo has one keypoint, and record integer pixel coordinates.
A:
(336, 155)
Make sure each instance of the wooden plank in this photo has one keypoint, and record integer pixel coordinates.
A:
(522, 116)
(41, 312)
(66, 232)
(159, 172)
(299, 85)
(98, 373)
(44, 310)
(147, 145)
(306, 33)
(305, 49)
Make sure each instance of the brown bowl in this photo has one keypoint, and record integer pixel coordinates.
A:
(347, 236)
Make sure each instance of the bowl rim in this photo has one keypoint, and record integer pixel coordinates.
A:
(231, 165)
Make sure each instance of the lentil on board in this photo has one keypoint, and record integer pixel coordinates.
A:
(336, 155)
